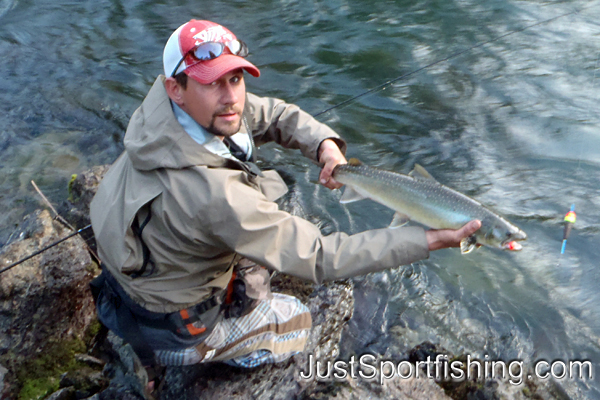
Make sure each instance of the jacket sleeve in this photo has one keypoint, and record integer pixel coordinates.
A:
(255, 228)
(273, 119)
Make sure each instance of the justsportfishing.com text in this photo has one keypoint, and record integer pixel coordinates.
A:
(371, 368)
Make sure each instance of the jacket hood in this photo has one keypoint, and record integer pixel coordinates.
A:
(155, 139)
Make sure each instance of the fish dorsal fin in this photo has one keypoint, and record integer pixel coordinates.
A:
(350, 195)
(419, 172)
(355, 162)
(399, 220)
(468, 244)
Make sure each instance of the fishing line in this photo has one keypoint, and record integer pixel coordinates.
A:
(44, 249)
(450, 57)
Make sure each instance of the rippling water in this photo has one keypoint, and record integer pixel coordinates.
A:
(512, 123)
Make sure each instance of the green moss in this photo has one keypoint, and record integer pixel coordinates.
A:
(38, 376)
(56, 356)
(35, 389)
(70, 188)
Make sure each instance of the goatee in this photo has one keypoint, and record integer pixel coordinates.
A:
(220, 132)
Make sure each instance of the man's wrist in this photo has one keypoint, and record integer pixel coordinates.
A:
(325, 145)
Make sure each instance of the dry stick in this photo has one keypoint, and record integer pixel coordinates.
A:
(64, 221)
(56, 216)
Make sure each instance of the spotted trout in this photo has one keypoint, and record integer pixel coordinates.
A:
(419, 197)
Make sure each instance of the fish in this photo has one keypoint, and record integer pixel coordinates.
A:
(420, 198)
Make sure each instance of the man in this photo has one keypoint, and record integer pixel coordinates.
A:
(186, 223)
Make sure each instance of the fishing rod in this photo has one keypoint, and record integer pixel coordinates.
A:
(450, 57)
(44, 249)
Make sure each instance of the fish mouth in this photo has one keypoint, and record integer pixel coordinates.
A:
(512, 246)
(512, 243)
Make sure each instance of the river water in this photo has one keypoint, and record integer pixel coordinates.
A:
(512, 123)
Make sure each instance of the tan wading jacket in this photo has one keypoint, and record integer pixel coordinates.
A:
(207, 211)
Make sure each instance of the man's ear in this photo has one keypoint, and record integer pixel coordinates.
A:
(174, 91)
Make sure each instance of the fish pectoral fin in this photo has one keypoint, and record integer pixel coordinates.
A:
(468, 244)
(350, 195)
(399, 220)
(419, 172)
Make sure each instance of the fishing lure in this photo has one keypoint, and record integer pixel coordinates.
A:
(569, 222)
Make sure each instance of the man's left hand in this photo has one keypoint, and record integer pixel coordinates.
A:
(444, 238)
(330, 156)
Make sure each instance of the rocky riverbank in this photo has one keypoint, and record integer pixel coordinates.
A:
(52, 347)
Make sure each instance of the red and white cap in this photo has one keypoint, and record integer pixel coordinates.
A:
(191, 34)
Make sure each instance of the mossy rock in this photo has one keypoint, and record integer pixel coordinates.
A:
(38, 388)
(41, 376)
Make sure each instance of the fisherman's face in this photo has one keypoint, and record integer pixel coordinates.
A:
(217, 106)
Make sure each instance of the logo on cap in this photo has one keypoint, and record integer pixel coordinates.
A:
(213, 34)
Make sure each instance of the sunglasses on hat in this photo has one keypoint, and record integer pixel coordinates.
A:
(211, 50)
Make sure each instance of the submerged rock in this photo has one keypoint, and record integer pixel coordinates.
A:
(490, 388)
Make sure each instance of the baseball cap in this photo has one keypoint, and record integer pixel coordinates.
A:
(190, 35)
